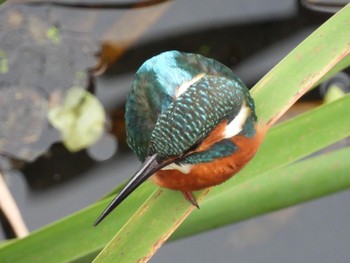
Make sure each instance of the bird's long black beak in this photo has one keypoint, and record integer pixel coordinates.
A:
(149, 167)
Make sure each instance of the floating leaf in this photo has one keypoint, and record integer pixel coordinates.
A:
(80, 119)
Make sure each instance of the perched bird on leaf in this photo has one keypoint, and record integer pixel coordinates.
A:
(191, 122)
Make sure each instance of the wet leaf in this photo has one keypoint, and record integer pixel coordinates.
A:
(80, 119)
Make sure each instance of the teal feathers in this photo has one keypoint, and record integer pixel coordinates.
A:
(161, 121)
(191, 117)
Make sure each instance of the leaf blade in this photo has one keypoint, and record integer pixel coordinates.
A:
(277, 189)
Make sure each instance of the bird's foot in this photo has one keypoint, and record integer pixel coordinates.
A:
(190, 197)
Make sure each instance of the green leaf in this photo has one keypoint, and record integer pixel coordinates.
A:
(74, 237)
(80, 119)
(280, 188)
(316, 57)
(161, 227)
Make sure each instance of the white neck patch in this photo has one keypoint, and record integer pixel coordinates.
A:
(236, 125)
(183, 168)
(184, 86)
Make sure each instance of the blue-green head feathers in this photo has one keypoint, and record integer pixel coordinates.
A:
(177, 99)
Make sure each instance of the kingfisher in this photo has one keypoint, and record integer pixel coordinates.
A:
(191, 122)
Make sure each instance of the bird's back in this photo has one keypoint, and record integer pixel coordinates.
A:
(156, 86)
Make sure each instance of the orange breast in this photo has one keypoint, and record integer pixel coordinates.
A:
(209, 174)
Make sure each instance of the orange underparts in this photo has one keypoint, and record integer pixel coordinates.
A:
(204, 175)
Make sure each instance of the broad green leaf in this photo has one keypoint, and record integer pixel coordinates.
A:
(73, 237)
(283, 187)
(141, 222)
(304, 67)
(6, 243)
(343, 63)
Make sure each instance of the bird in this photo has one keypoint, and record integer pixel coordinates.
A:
(191, 122)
